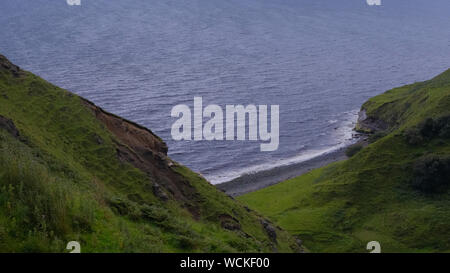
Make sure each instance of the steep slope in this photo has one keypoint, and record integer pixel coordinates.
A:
(395, 190)
(73, 172)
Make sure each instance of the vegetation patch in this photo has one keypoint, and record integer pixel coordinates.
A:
(353, 149)
(432, 174)
(394, 191)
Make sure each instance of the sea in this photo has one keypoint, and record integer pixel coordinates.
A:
(319, 60)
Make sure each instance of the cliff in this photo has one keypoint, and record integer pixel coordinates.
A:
(74, 172)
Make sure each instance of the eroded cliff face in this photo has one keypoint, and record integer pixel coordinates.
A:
(119, 168)
(128, 132)
(144, 150)
(369, 125)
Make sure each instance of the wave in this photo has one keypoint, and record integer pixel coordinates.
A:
(344, 134)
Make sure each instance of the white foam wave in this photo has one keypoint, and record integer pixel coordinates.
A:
(343, 134)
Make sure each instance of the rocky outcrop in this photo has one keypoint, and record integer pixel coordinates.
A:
(270, 230)
(368, 124)
(6, 65)
(229, 222)
(8, 125)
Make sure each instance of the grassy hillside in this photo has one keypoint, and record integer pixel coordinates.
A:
(395, 190)
(72, 172)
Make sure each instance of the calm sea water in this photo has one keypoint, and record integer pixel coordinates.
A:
(318, 59)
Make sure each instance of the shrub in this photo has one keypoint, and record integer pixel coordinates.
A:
(443, 125)
(427, 130)
(413, 136)
(431, 174)
(353, 149)
(377, 136)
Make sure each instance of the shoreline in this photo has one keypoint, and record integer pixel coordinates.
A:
(255, 181)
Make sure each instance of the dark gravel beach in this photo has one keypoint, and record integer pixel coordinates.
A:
(255, 181)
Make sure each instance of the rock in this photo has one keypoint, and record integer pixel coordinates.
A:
(299, 242)
(98, 139)
(367, 124)
(9, 126)
(159, 192)
(229, 222)
(5, 64)
(270, 230)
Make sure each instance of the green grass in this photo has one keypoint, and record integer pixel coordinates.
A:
(369, 197)
(62, 180)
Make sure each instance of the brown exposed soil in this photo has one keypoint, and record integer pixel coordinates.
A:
(144, 150)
